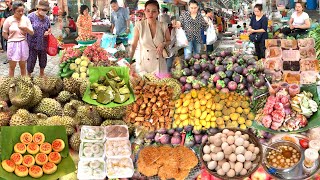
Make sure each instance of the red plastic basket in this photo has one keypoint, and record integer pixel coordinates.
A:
(98, 35)
(65, 46)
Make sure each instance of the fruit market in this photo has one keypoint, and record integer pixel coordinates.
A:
(148, 104)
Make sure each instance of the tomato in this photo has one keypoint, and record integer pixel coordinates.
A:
(304, 143)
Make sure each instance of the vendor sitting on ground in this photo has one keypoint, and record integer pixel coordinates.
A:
(71, 26)
(299, 22)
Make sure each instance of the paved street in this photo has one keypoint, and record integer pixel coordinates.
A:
(52, 66)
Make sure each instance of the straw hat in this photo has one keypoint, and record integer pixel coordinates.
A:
(43, 4)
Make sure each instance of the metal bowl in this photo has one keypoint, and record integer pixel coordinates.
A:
(282, 143)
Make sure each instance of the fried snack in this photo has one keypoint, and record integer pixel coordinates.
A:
(148, 170)
(168, 172)
(150, 155)
(187, 158)
(182, 174)
(165, 154)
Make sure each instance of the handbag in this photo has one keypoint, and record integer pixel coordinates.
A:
(52, 48)
(255, 37)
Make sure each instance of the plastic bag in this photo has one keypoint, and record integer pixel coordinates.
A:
(52, 48)
(182, 40)
(211, 35)
(108, 41)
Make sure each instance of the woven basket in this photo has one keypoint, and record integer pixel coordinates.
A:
(252, 139)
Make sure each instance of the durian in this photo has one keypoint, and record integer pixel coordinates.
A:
(51, 85)
(174, 84)
(5, 83)
(75, 141)
(83, 87)
(111, 113)
(36, 98)
(88, 115)
(109, 122)
(66, 121)
(4, 114)
(38, 118)
(49, 107)
(151, 77)
(64, 96)
(70, 109)
(72, 85)
(21, 93)
(21, 118)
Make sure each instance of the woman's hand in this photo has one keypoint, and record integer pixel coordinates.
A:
(47, 32)
(291, 26)
(160, 49)
(250, 31)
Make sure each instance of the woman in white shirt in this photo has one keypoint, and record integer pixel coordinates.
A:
(299, 22)
(96, 13)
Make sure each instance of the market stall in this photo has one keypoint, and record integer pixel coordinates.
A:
(225, 115)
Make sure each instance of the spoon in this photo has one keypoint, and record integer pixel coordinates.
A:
(267, 146)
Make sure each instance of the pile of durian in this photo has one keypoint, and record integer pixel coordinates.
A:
(52, 101)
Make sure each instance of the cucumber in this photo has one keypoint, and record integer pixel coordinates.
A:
(67, 74)
(62, 65)
(65, 69)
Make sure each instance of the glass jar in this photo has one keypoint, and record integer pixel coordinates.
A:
(294, 89)
(311, 155)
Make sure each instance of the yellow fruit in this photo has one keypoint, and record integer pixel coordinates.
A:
(220, 121)
(246, 111)
(203, 108)
(175, 116)
(187, 97)
(219, 107)
(208, 118)
(180, 125)
(209, 104)
(207, 126)
(213, 107)
(208, 96)
(186, 103)
(191, 106)
(203, 122)
(174, 125)
(213, 118)
(241, 120)
(234, 116)
(182, 96)
(218, 113)
(178, 103)
(213, 124)
(198, 127)
(197, 105)
(197, 113)
(193, 112)
(203, 102)
(184, 110)
(239, 110)
(232, 110)
(248, 123)
(177, 122)
(203, 115)
(222, 126)
(243, 126)
(235, 124)
(194, 93)
(235, 104)
(208, 111)
(245, 104)
(212, 113)
(197, 122)
(184, 116)
(226, 118)
(201, 95)
(185, 123)
(178, 110)
(251, 116)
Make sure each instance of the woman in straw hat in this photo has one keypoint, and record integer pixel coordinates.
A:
(39, 41)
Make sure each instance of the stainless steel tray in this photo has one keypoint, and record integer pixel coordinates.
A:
(297, 173)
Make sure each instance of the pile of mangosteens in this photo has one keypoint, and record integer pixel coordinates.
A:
(224, 70)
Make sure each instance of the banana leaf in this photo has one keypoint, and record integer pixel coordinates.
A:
(10, 135)
(96, 72)
(313, 121)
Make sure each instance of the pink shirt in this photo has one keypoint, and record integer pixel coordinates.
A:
(11, 25)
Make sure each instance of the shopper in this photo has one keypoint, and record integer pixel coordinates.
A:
(84, 22)
(71, 27)
(164, 17)
(7, 13)
(209, 19)
(55, 12)
(96, 13)
(172, 47)
(38, 41)
(258, 30)
(1, 17)
(153, 36)
(192, 22)
(15, 30)
(203, 31)
(106, 11)
(120, 19)
(299, 22)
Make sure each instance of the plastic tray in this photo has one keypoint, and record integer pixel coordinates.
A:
(290, 55)
(291, 65)
(275, 75)
(112, 132)
(289, 44)
(274, 52)
(94, 154)
(308, 53)
(87, 42)
(92, 134)
(123, 148)
(308, 77)
(272, 43)
(83, 174)
(273, 64)
(123, 172)
(306, 43)
(309, 65)
(291, 77)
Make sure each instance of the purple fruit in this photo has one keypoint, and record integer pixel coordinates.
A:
(183, 80)
(250, 78)
(176, 140)
(241, 86)
(211, 68)
(186, 72)
(238, 69)
(232, 86)
(226, 80)
(197, 67)
(229, 73)
(197, 138)
(237, 78)
(188, 128)
(225, 90)
(188, 87)
(196, 56)
(165, 139)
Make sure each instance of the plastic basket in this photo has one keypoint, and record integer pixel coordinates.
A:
(309, 65)
(291, 77)
(274, 52)
(273, 64)
(308, 53)
(290, 55)
(289, 44)
(87, 42)
(308, 77)
(306, 43)
(272, 43)
(65, 46)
